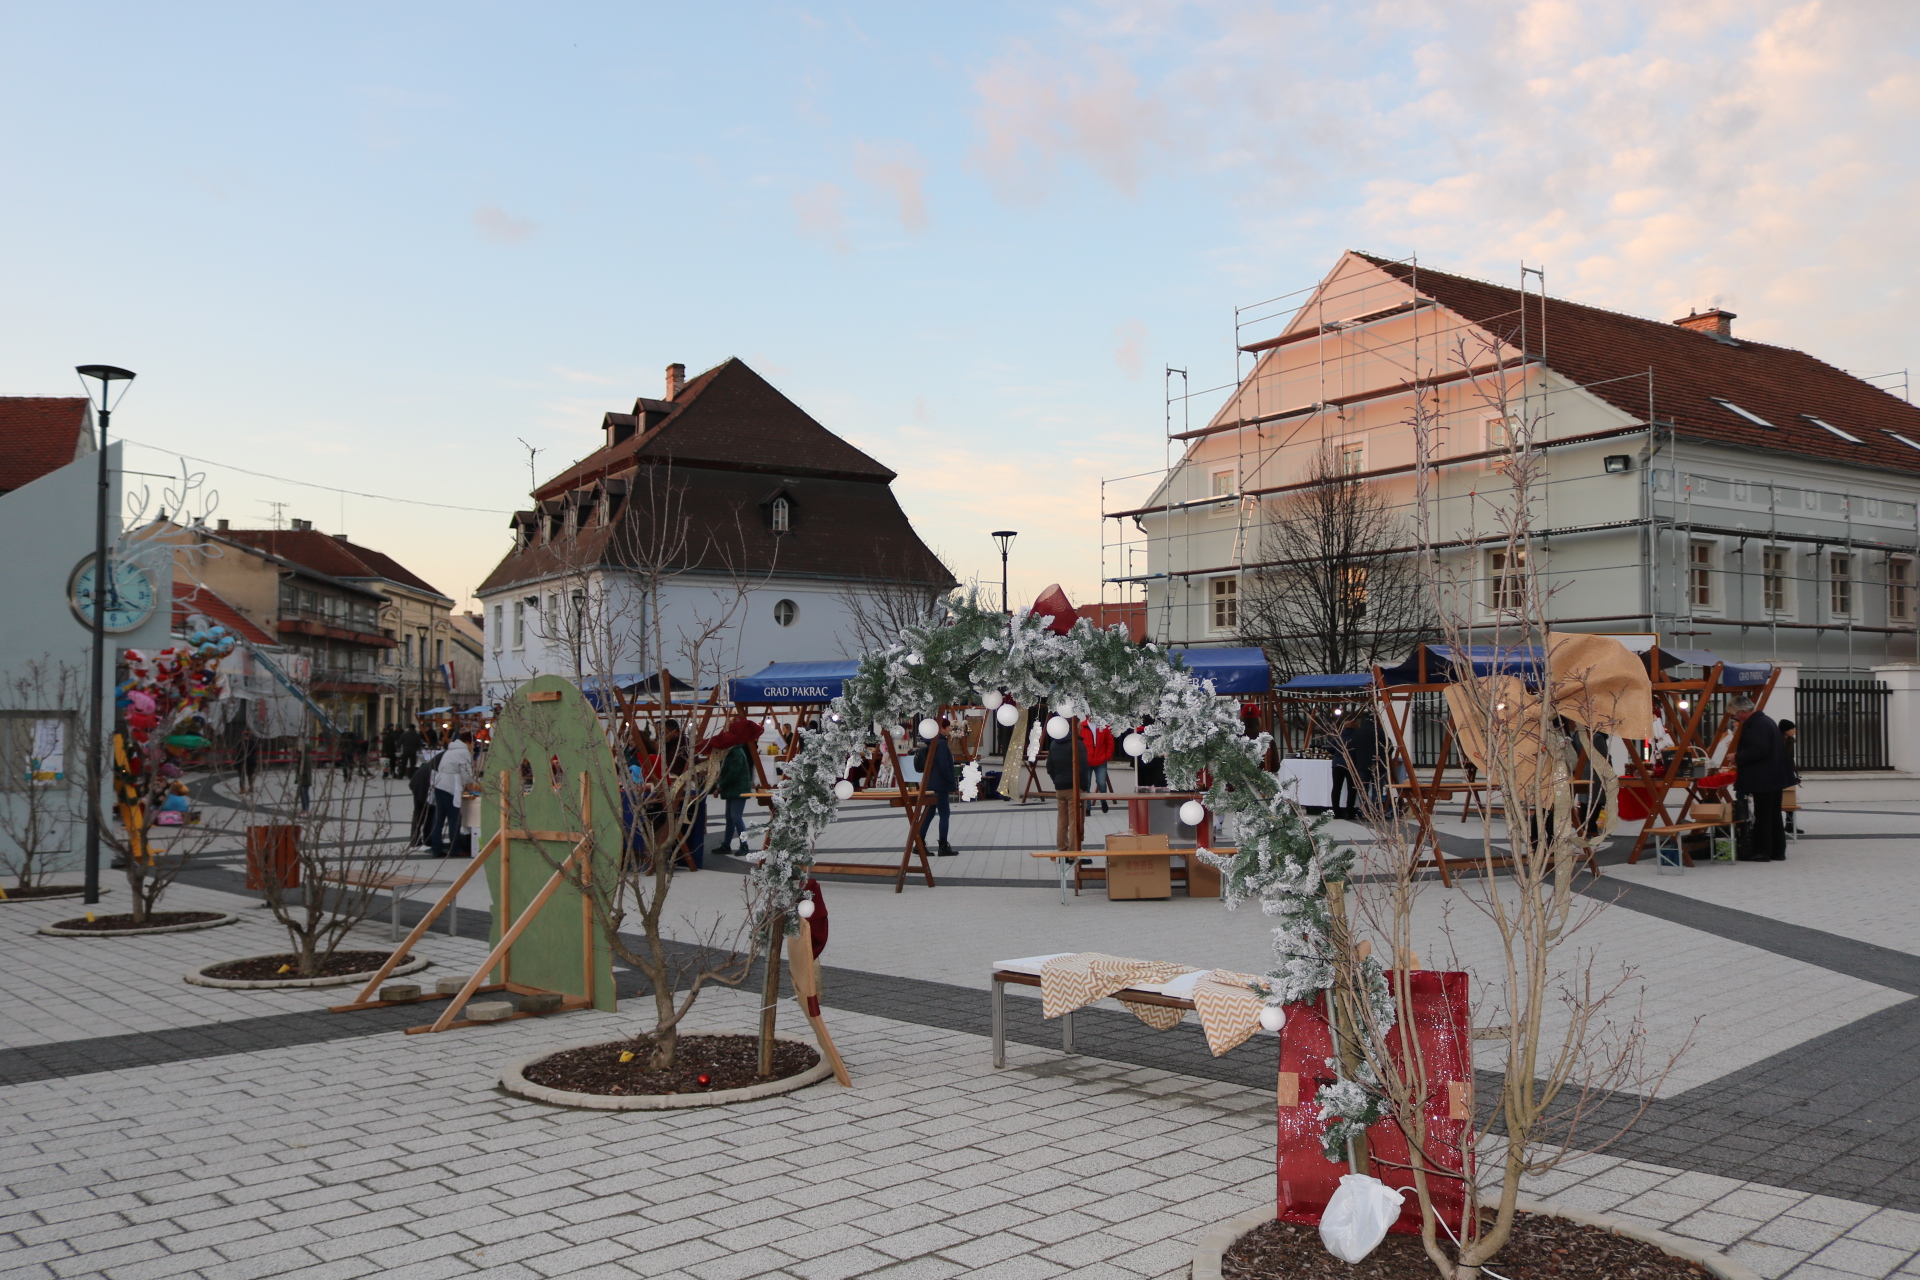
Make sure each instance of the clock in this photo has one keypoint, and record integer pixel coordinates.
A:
(130, 594)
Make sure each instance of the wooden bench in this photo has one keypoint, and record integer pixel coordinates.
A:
(393, 883)
(1677, 833)
(1001, 977)
(1076, 865)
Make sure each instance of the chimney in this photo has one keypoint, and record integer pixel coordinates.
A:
(676, 379)
(301, 526)
(1711, 321)
(223, 524)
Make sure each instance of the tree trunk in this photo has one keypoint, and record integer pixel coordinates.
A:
(770, 992)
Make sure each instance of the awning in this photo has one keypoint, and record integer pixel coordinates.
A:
(794, 682)
(436, 711)
(1525, 661)
(1733, 675)
(593, 687)
(1327, 684)
(1231, 670)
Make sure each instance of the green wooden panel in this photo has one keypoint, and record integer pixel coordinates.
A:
(542, 748)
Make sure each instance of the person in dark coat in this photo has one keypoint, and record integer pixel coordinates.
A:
(1765, 769)
(1355, 759)
(1065, 757)
(409, 750)
(420, 782)
(1149, 774)
(940, 785)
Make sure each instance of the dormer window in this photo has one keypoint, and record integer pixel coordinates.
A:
(782, 515)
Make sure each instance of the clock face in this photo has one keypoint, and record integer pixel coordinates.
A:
(130, 595)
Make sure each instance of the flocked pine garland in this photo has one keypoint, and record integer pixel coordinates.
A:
(1283, 860)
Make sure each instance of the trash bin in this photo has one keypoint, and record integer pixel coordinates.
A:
(274, 847)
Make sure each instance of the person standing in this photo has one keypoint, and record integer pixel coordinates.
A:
(409, 750)
(936, 766)
(736, 779)
(1066, 761)
(1790, 740)
(304, 775)
(249, 757)
(420, 782)
(1765, 769)
(1098, 744)
(450, 780)
(1355, 757)
(1149, 775)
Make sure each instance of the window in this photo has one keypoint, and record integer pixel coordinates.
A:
(519, 624)
(33, 745)
(1507, 580)
(499, 626)
(784, 612)
(406, 648)
(1848, 436)
(552, 622)
(1908, 441)
(1840, 584)
(1353, 459)
(1223, 484)
(1700, 575)
(1503, 433)
(1899, 589)
(1738, 412)
(1226, 604)
(579, 601)
(782, 517)
(439, 652)
(1353, 595)
(1773, 579)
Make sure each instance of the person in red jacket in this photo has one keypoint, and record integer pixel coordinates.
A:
(1099, 747)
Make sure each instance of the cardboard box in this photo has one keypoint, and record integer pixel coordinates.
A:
(1710, 813)
(1203, 881)
(1139, 875)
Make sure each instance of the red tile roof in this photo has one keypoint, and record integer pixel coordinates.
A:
(1611, 352)
(190, 598)
(325, 553)
(729, 417)
(39, 434)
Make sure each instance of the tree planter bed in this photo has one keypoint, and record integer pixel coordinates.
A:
(586, 1075)
(45, 893)
(346, 967)
(120, 926)
(1548, 1243)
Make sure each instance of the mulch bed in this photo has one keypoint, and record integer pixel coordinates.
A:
(156, 920)
(262, 968)
(1541, 1248)
(15, 894)
(702, 1064)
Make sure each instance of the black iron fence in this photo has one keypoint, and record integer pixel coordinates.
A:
(1842, 725)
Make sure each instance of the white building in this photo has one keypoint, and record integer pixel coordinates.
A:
(723, 507)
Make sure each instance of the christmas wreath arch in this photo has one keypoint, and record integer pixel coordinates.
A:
(1283, 860)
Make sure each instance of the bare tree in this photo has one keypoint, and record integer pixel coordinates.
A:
(879, 609)
(340, 857)
(40, 807)
(663, 589)
(1572, 1041)
(1340, 586)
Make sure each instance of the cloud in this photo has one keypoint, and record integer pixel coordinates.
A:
(897, 170)
(1037, 111)
(820, 215)
(576, 375)
(1128, 340)
(496, 225)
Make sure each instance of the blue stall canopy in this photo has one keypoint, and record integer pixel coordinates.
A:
(1328, 684)
(1525, 661)
(794, 682)
(1231, 670)
(1733, 675)
(629, 685)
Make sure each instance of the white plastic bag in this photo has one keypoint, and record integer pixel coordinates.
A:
(1357, 1217)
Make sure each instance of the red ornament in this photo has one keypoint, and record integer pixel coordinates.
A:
(703, 1080)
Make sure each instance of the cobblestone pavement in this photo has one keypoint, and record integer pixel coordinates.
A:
(155, 1129)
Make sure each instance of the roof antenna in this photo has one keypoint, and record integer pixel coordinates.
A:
(533, 481)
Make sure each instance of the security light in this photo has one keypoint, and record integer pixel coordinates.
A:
(1618, 463)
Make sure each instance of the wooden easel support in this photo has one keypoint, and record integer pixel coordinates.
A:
(806, 990)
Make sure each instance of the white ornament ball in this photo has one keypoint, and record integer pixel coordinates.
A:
(1058, 727)
(1273, 1017)
(806, 913)
(1007, 714)
(1065, 706)
(929, 728)
(1193, 813)
(1134, 744)
(992, 699)
(843, 789)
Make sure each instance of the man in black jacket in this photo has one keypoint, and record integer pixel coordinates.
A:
(941, 784)
(1765, 770)
(1065, 756)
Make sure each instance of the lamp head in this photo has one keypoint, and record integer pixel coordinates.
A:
(106, 375)
(1003, 538)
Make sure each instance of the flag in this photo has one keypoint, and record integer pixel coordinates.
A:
(446, 673)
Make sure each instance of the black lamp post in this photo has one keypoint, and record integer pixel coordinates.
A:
(106, 375)
(1004, 537)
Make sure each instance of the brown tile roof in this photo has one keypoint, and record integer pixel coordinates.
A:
(190, 598)
(848, 529)
(728, 417)
(1608, 349)
(39, 434)
(333, 556)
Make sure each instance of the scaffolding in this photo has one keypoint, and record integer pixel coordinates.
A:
(1350, 359)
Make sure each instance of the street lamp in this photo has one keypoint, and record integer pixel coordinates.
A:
(1004, 537)
(106, 375)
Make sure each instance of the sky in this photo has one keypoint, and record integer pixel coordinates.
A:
(413, 252)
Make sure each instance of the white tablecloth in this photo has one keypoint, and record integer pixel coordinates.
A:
(1309, 781)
